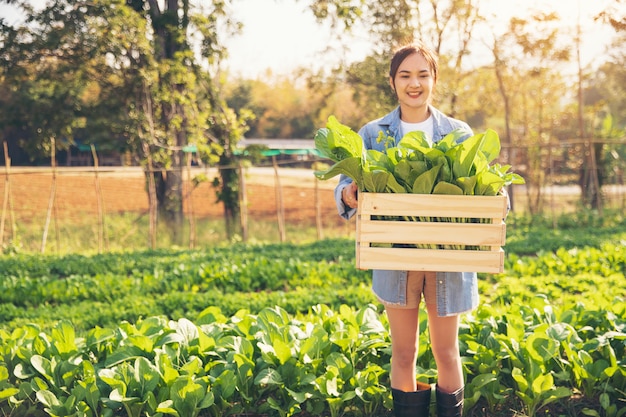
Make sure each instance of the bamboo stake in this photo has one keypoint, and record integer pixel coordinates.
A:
(52, 195)
(280, 207)
(243, 203)
(551, 182)
(7, 194)
(318, 211)
(99, 201)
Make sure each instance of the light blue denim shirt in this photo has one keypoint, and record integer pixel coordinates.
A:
(457, 292)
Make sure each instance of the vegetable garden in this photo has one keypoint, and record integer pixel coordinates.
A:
(293, 329)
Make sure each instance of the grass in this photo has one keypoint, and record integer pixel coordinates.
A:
(130, 232)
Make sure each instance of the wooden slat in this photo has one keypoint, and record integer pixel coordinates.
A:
(475, 234)
(430, 259)
(432, 205)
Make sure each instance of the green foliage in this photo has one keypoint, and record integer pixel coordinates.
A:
(530, 235)
(451, 166)
(285, 330)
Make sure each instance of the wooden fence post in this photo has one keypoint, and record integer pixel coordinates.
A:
(7, 202)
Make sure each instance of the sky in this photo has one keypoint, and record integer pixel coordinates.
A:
(282, 35)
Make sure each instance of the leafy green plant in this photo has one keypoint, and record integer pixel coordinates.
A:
(277, 352)
(451, 166)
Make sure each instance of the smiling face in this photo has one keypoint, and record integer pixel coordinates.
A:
(413, 83)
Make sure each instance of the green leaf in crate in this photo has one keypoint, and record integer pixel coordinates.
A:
(465, 156)
(402, 171)
(445, 173)
(434, 155)
(488, 183)
(350, 167)
(375, 181)
(338, 142)
(491, 145)
(378, 161)
(447, 188)
(417, 169)
(415, 141)
(467, 184)
(425, 183)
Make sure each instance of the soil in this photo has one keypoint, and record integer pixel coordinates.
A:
(79, 191)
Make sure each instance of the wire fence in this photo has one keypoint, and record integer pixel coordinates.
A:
(99, 209)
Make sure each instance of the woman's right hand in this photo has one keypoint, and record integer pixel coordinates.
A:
(349, 195)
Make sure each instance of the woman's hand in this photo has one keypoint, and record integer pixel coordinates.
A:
(349, 195)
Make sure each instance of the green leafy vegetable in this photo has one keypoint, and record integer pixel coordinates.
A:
(451, 166)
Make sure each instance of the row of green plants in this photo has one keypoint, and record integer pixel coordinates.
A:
(106, 289)
(327, 362)
(294, 330)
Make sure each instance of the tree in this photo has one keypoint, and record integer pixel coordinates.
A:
(526, 59)
(175, 116)
(43, 63)
(145, 72)
(447, 27)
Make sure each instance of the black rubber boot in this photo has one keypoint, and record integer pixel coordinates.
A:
(449, 404)
(411, 404)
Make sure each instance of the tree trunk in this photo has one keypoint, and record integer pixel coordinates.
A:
(168, 41)
(228, 194)
(172, 206)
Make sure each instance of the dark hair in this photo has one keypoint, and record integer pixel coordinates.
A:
(414, 48)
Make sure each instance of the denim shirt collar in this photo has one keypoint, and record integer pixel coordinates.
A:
(390, 123)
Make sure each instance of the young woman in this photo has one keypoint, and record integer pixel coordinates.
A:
(413, 76)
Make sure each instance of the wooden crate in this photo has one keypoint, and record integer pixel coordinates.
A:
(372, 231)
